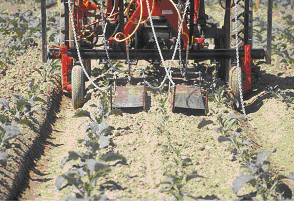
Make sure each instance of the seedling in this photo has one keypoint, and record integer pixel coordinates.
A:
(49, 69)
(258, 175)
(274, 91)
(88, 165)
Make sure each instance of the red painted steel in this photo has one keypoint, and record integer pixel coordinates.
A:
(246, 67)
(67, 64)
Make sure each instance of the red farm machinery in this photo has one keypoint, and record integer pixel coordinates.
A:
(157, 31)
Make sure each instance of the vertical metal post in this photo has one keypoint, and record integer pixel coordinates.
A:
(227, 27)
(121, 15)
(44, 36)
(191, 21)
(66, 23)
(246, 22)
(269, 31)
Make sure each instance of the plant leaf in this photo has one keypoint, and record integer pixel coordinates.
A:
(82, 113)
(93, 126)
(11, 132)
(112, 156)
(81, 172)
(102, 127)
(204, 123)
(290, 176)
(233, 100)
(38, 99)
(18, 97)
(234, 116)
(192, 176)
(99, 167)
(71, 179)
(4, 102)
(262, 157)
(168, 180)
(90, 163)
(59, 181)
(217, 129)
(116, 112)
(103, 141)
(94, 105)
(64, 161)
(246, 142)
(72, 155)
(223, 139)
(3, 158)
(241, 181)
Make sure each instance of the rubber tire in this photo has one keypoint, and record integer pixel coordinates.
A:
(234, 85)
(78, 87)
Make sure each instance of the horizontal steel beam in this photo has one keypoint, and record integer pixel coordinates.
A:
(154, 55)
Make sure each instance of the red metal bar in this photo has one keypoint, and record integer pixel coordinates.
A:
(246, 67)
(67, 64)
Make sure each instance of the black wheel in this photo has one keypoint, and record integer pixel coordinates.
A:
(78, 86)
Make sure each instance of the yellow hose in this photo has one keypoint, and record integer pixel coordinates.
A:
(127, 13)
(140, 19)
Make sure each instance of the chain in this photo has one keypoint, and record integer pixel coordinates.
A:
(239, 69)
(159, 50)
(79, 54)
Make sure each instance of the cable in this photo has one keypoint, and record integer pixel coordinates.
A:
(179, 31)
(239, 69)
(135, 30)
(79, 54)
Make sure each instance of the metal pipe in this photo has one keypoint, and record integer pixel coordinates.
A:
(44, 36)
(167, 54)
(269, 31)
(227, 28)
(246, 22)
(66, 23)
(191, 21)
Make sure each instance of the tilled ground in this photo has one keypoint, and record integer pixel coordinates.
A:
(137, 140)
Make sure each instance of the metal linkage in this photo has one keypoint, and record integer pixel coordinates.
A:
(79, 54)
(239, 68)
(168, 74)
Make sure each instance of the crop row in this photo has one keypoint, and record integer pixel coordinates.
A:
(24, 27)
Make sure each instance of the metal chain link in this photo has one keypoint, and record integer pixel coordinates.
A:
(239, 69)
(79, 54)
(168, 74)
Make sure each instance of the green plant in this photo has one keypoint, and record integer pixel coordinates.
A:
(49, 69)
(257, 174)
(22, 29)
(10, 118)
(82, 176)
(95, 139)
(174, 181)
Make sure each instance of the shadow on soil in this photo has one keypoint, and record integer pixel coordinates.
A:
(268, 80)
(208, 197)
(21, 183)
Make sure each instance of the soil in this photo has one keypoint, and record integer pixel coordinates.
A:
(135, 138)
